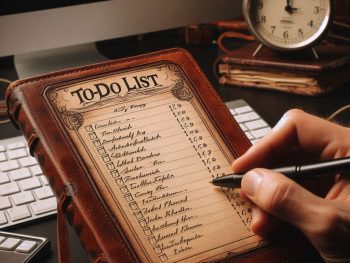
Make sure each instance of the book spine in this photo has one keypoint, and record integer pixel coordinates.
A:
(19, 111)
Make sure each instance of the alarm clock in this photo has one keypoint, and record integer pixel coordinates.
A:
(288, 25)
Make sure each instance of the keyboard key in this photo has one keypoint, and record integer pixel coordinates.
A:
(3, 219)
(2, 239)
(36, 170)
(254, 141)
(249, 135)
(233, 112)
(252, 125)
(243, 109)
(10, 243)
(246, 117)
(4, 178)
(43, 192)
(44, 180)
(23, 198)
(44, 206)
(26, 246)
(3, 157)
(30, 183)
(16, 145)
(250, 122)
(22, 183)
(9, 188)
(243, 127)
(20, 174)
(259, 133)
(5, 202)
(27, 161)
(8, 165)
(15, 154)
(19, 212)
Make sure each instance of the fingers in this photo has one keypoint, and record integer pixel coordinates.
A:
(277, 195)
(296, 132)
(263, 223)
(326, 223)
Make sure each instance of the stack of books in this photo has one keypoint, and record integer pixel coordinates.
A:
(299, 73)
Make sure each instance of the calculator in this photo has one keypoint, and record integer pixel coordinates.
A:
(19, 248)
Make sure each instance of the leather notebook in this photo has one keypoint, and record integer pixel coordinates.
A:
(299, 73)
(130, 147)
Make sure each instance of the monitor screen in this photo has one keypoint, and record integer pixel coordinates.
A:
(34, 25)
(46, 36)
(8, 7)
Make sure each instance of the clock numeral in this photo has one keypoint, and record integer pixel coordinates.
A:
(273, 28)
(311, 23)
(316, 10)
(285, 34)
(260, 5)
(263, 19)
(300, 32)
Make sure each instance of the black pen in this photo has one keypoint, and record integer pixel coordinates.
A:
(296, 173)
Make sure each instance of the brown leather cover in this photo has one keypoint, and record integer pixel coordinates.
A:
(330, 71)
(77, 195)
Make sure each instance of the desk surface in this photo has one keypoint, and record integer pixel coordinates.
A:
(269, 104)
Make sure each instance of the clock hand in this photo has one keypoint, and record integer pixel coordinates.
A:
(288, 7)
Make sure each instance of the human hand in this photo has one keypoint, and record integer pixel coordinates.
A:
(298, 138)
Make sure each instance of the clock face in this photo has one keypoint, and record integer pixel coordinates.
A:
(287, 24)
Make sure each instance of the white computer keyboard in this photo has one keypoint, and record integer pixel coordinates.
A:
(25, 193)
(250, 121)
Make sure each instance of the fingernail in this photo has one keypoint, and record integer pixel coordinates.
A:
(251, 182)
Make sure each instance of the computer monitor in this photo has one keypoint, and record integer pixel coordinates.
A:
(32, 30)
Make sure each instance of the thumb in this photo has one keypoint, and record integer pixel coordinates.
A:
(282, 197)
